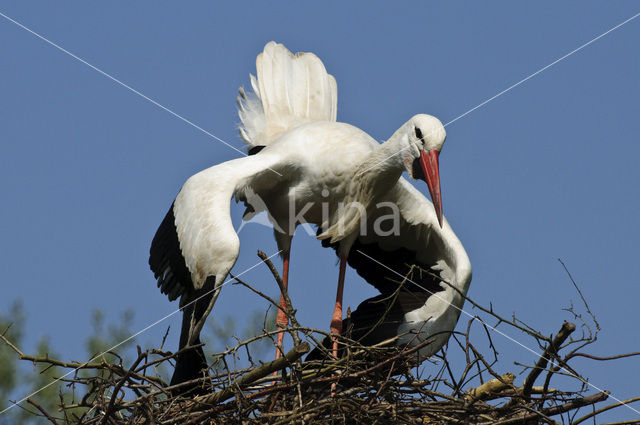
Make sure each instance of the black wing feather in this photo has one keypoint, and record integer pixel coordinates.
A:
(389, 267)
(377, 319)
(166, 260)
(255, 149)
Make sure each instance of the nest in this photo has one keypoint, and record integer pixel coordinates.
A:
(381, 384)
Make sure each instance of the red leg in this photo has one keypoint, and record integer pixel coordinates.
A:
(336, 320)
(282, 320)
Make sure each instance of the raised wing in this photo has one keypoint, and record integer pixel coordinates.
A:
(289, 90)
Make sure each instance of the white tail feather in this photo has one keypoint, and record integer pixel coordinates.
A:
(289, 90)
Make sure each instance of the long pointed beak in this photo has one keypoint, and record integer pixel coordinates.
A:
(429, 162)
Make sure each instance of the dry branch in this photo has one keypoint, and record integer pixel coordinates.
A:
(549, 352)
(493, 386)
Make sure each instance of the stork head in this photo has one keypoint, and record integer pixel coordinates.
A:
(425, 136)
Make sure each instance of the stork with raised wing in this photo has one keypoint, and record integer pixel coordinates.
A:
(306, 167)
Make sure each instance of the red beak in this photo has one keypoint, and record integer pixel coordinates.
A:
(429, 162)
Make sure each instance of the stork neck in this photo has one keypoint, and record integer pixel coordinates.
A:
(383, 166)
(374, 177)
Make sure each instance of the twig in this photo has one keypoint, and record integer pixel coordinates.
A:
(551, 350)
(116, 388)
(592, 357)
(554, 410)
(44, 412)
(604, 409)
(10, 344)
(584, 301)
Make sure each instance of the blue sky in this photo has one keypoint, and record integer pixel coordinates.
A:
(546, 171)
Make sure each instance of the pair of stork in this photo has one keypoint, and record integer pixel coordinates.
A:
(298, 155)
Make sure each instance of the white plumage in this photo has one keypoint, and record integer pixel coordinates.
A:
(289, 90)
(436, 248)
(308, 168)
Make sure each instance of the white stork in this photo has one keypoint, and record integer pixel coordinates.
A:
(306, 167)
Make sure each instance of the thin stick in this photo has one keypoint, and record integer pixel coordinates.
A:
(584, 301)
(44, 412)
(604, 409)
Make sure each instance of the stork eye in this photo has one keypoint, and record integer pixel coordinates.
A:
(418, 133)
